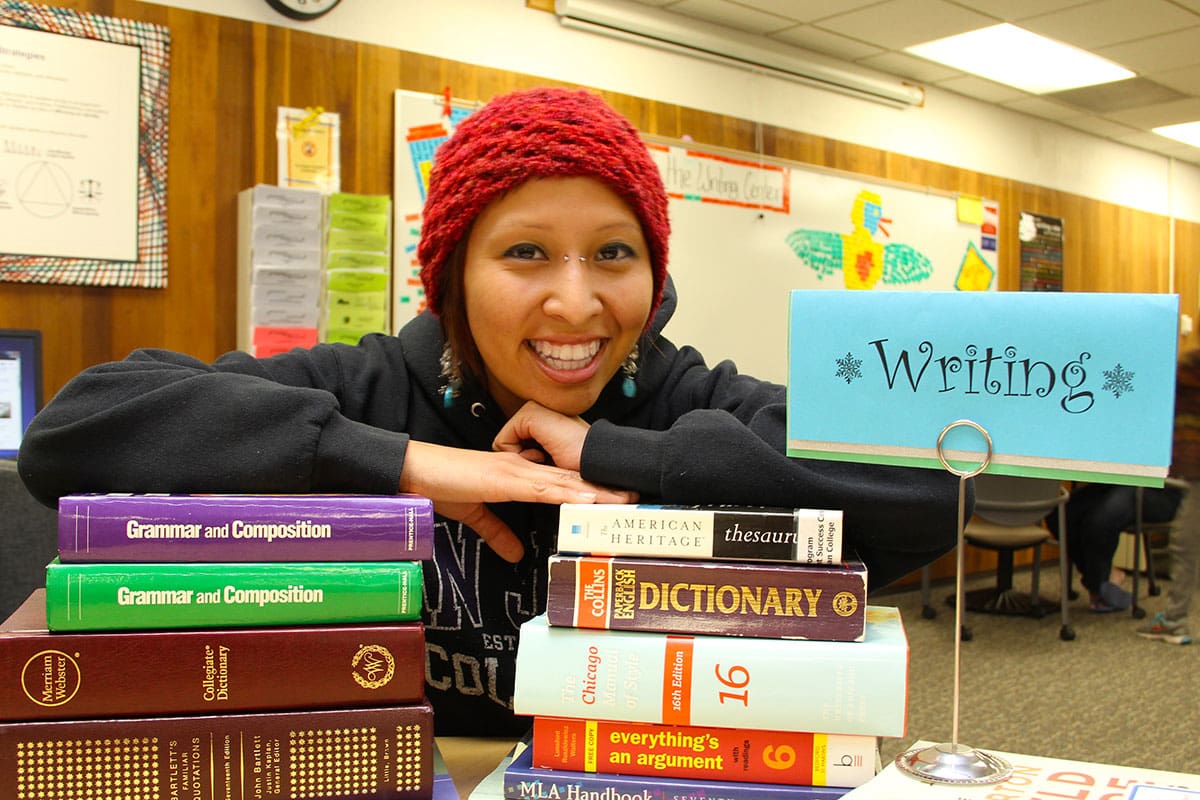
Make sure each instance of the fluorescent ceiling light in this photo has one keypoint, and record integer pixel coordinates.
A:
(652, 27)
(1186, 132)
(1013, 56)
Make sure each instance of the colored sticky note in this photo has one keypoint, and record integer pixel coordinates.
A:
(1065, 385)
(970, 209)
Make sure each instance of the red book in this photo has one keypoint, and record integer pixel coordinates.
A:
(727, 598)
(703, 753)
(366, 753)
(199, 671)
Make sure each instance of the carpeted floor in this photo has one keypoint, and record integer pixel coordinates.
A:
(1108, 696)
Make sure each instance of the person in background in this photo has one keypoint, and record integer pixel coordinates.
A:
(537, 375)
(1170, 625)
(1097, 513)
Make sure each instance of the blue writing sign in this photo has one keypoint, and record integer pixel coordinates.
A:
(1067, 385)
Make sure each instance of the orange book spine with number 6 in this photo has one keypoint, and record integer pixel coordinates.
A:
(689, 751)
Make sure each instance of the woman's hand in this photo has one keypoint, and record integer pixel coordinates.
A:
(459, 482)
(535, 432)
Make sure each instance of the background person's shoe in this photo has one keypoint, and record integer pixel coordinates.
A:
(1166, 630)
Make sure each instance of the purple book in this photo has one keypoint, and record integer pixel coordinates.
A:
(244, 527)
(523, 781)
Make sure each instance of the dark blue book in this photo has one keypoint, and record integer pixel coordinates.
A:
(522, 781)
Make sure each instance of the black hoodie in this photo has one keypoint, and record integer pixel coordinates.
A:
(337, 418)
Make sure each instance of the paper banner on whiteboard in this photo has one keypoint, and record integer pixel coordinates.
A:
(1075, 385)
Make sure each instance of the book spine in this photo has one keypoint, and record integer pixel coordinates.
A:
(856, 688)
(368, 754)
(808, 536)
(224, 595)
(687, 751)
(186, 528)
(87, 675)
(726, 598)
(522, 781)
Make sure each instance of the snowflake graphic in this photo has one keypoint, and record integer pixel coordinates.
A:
(1118, 381)
(848, 368)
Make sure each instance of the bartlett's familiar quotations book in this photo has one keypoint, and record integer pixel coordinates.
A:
(244, 527)
(86, 675)
(727, 598)
(809, 536)
(721, 681)
(688, 751)
(130, 596)
(1038, 777)
(383, 753)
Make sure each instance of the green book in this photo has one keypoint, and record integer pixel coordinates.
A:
(99, 596)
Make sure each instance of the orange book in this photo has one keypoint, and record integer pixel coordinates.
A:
(690, 751)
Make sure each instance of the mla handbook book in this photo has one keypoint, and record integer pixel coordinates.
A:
(86, 675)
(244, 527)
(1038, 777)
(721, 681)
(221, 595)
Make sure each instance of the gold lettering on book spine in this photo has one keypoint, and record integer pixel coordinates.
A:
(727, 599)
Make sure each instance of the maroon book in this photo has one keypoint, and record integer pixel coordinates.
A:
(763, 599)
(244, 527)
(366, 753)
(201, 671)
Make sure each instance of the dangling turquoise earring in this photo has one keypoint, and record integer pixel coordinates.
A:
(451, 374)
(630, 367)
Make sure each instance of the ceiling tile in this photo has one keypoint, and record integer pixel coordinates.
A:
(822, 41)
(741, 18)
(1016, 10)
(896, 24)
(1186, 80)
(806, 10)
(1097, 126)
(1108, 22)
(981, 89)
(906, 66)
(1039, 107)
(1160, 114)
(1157, 53)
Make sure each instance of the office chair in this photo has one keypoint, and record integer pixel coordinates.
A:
(1008, 517)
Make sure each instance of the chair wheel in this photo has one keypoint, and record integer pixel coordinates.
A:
(1155, 591)
(966, 634)
(1067, 633)
(1137, 612)
(928, 612)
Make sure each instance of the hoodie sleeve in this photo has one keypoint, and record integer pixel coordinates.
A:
(719, 437)
(164, 422)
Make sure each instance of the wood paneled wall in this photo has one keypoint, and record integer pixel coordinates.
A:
(229, 76)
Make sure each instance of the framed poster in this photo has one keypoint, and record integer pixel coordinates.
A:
(83, 170)
(20, 385)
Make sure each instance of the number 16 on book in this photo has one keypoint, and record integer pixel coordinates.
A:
(773, 684)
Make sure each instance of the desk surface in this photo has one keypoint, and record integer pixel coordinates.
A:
(471, 759)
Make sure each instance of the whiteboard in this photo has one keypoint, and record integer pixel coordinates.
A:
(745, 232)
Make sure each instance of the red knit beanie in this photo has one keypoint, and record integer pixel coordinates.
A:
(533, 134)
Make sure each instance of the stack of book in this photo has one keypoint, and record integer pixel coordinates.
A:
(727, 651)
(264, 646)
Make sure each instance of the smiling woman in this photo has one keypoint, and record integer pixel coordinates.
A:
(538, 376)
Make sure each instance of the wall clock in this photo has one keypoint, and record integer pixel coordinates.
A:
(303, 10)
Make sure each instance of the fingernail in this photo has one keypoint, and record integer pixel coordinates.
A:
(587, 497)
